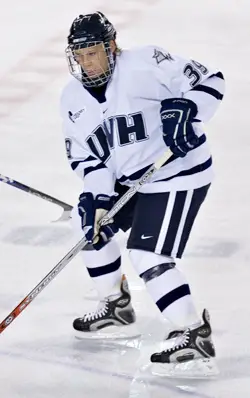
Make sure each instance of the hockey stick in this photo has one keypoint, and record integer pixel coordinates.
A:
(83, 242)
(66, 207)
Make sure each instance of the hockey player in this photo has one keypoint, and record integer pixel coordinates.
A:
(121, 112)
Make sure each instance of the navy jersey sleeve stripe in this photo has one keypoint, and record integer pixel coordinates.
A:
(93, 168)
(209, 90)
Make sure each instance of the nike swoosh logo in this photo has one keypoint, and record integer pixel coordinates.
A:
(146, 237)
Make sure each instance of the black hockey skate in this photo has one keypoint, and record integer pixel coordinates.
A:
(192, 345)
(110, 312)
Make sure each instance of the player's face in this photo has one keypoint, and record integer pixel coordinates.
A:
(93, 60)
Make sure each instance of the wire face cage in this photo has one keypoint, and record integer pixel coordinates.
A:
(92, 63)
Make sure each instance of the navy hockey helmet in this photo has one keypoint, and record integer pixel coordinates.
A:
(88, 31)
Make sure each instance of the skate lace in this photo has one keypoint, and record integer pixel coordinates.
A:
(101, 311)
(181, 341)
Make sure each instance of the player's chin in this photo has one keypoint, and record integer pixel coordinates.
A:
(93, 74)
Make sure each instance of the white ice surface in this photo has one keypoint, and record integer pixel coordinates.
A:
(39, 355)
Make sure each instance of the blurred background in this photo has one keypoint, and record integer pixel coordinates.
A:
(33, 71)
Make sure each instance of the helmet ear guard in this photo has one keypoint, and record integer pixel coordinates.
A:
(87, 31)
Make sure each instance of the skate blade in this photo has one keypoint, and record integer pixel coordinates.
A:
(112, 332)
(202, 368)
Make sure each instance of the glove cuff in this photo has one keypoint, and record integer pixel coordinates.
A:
(105, 202)
(189, 107)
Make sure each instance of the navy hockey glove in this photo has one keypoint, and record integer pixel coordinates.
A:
(91, 211)
(177, 116)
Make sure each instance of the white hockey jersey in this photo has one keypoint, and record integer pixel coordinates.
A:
(121, 137)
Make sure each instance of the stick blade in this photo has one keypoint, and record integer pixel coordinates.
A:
(65, 216)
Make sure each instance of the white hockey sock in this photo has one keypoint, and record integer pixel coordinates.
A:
(167, 286)
(104, 267)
